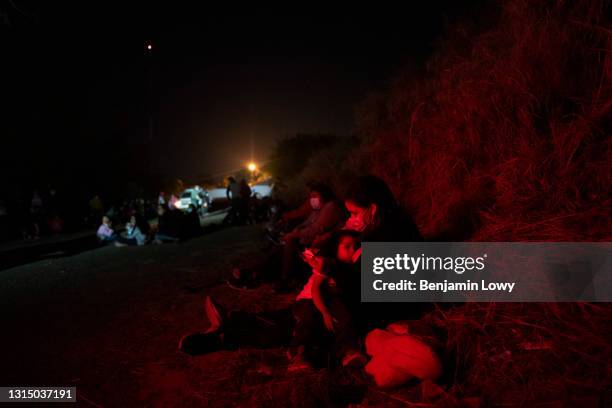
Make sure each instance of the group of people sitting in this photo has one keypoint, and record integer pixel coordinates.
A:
(172, 226)
(318, 257)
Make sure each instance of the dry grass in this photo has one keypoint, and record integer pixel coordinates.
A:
(528, 353)
(506, 137)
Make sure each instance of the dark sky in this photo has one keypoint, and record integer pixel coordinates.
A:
(75, 90)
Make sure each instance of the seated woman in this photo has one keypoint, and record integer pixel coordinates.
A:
(327, 215)
(328, 301)
(105, 232)
(377, 216)
(335, 283)
(134, 235)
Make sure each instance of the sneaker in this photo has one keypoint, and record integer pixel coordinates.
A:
(298, 363)
(214, 314)
(354, 359)
(240, 284)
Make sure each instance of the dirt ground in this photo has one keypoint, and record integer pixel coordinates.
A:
(108, 321)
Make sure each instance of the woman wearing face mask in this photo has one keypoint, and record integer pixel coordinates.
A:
(375, 216)
(375, 213)
(327, 216)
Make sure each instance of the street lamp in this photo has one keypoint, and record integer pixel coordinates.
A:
(252, 167)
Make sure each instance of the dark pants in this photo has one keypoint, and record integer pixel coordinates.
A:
(165, 238)
(127, 241)
(282, 262)
(291, 250)
(237, 212)
(262, 330)
(310, 331)
(345, 333)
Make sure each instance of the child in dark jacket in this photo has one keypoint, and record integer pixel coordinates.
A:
(327, 302)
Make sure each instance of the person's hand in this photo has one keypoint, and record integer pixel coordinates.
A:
(328, 321)
(314, 261)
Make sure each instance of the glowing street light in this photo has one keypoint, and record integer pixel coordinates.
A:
(252, 167)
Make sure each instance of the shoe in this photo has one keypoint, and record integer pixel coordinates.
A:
(354, 359)
(298, 363)
(214, 314)
(240, 284)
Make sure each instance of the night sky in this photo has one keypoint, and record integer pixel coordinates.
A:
(77, 83)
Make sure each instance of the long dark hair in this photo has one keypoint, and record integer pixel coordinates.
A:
(368, 190)
(391, 223)
(330, 248)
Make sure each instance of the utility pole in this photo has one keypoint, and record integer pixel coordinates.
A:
(149, 106)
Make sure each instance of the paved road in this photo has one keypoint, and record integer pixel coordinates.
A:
(21, 252)
(104, 320)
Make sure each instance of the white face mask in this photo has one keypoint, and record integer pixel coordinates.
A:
(359, 222)
(315, 203)
(355, 223)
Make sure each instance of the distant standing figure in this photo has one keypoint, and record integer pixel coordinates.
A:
(4, 221)
(36, 214)
(96, 209)
(161, 200)
(233, 189)
(245, 200)
(36, 206)
(172, 202)
(233, 195)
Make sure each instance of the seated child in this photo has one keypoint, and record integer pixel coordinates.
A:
(105, 233)
(325, 302)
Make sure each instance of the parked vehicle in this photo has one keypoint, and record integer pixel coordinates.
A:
(195, 196)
